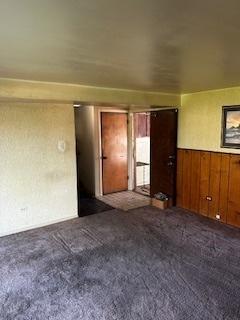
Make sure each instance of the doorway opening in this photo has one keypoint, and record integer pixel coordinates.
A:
(115, 161)
(85, 162)
(155, 150)
(142, 153)
(127, 154)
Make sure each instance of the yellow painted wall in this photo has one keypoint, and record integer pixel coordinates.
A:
(37, 181)
(200, 119)
(59, 92)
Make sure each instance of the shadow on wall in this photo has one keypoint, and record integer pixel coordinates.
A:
(84, 128)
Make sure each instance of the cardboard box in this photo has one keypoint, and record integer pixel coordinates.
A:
(161, 204)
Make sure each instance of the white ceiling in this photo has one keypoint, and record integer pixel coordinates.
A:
(155, 45)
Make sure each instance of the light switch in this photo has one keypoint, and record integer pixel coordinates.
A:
(61, 145)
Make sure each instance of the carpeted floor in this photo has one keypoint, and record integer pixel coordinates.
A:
(141, 264)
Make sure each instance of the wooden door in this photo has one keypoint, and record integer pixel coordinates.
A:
(163, 140)
(114, 152)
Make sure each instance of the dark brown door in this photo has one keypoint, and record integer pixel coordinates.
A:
(114, 152)
(163, 140)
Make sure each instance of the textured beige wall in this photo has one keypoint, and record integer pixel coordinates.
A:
(200, 119)
(37, 181)
(84, 124)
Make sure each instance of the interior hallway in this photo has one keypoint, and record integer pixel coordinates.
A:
(145, 264)
(88, 204)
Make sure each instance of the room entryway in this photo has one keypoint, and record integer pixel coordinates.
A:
(115, 158)
(154, 135)
(88, 204)
(126, 151)
(125, 200)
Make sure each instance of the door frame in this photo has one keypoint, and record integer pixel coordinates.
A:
(131, 140)
(134, 182)
(98, 146)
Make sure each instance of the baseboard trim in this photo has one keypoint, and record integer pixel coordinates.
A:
(36, 226)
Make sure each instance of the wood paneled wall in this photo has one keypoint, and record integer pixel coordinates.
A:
(208, 183)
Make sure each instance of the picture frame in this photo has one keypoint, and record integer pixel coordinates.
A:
(231, 127)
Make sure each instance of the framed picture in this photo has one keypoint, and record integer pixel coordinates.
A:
(231, 127)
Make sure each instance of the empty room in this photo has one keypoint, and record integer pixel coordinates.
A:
(119, 160)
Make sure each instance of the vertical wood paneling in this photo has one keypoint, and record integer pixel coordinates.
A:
(204, 183)
(180, 155)
(224, 183)
(214, 184)
(233, 215)
(195, 181)
(202, 174)
(186, 179)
